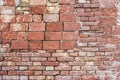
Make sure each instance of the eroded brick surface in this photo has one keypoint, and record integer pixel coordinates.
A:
(59, 40)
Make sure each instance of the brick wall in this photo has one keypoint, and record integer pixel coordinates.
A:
(59, 40)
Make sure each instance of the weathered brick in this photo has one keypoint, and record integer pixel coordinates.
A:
(10, 77)
(38, 2)
(67, 2)
(38, 9)
(71, 26)
(49, 64)
(53, 36)
(36, 77)
(36, 45)
(66, 8)
(67, 44)
(22, 36)
(9, 35)
(50, 73)
(36, 26)
(18, 27)
(51, 17)
(24, 18)
(7, 18)
(7, 10)
(9, 2)
(54, 26)
(4, 27)
(19, 45)
(36, 36)
(51, 45)
(37, 18)
(67, 17)
(69, 35)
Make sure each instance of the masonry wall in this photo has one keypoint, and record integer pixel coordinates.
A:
(59, 40)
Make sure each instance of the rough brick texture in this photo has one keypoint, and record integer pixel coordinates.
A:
(59, 40)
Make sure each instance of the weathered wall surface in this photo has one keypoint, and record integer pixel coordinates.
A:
(59, 40)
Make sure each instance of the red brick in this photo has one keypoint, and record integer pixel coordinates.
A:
(108, 21)
(49, 64)
(35, 45)
(108, 11)
(22, 36)
(69, 35)
(36, 36)
(51, 45)
(54, 26)
(67, 44)
(71, 26)
(3, 72)
(38, 9)
(24, 18)
(19, 45)
(67, 1)
(36, 26)
(88, 78)
(9, 35)
(67, 17)
(4, 27)
(66, 8)
(53, 36)
(37, 18)
(9, 2)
